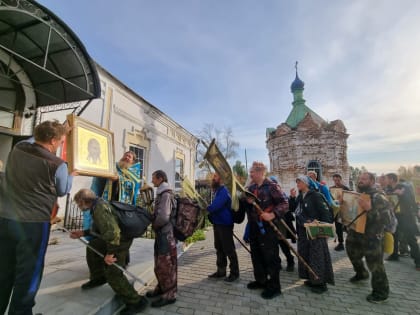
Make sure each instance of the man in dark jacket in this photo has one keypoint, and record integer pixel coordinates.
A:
(113, 246)
(263, 239)
(33, 180)
(220, 215)
(339, 229)
(407, 227)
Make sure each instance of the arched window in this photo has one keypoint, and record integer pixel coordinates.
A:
(316, 167)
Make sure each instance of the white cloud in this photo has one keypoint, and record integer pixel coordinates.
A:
(232, 64)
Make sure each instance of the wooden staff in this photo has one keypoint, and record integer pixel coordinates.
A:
(240, 242)
(86, 243)
(281, 237)
(289, 229)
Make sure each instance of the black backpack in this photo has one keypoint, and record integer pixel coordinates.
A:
(133, 221)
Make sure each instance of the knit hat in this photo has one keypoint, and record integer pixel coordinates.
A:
(303, 179)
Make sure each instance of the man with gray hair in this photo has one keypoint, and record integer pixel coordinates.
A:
(114, 247)
(33, 180)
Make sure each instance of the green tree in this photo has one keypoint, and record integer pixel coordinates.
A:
(240, 171)
(354, 175)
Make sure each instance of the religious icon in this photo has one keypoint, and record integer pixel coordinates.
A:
(90, 149)
(350, 211)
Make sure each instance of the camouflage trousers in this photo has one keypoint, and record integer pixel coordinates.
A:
(166, 264)
(115, 277)
(371, 247)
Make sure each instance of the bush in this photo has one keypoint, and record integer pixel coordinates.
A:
(197, 236)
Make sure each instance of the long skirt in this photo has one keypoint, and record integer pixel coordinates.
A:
(317, 255)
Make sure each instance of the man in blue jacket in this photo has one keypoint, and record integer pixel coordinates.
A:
(220, 215)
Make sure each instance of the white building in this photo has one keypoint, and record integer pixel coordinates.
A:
(47, 79)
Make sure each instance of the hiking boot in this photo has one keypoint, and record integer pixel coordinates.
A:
(319, 289)
(255, 285)
(217, 275)
(372, 298)
(93, 283)
(393, 257)
(268, 294)
(359, 277)
(162, 302)
(131, 309)
(339, 247)
(231, 278)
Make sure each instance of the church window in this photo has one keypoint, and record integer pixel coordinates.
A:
(139, 151)
(316, 167)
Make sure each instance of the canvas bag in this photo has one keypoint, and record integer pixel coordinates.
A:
(185, 217)
(133, 221)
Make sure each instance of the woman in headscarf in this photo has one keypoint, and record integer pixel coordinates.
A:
(310, 206)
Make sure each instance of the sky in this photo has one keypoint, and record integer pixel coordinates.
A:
(231, 64)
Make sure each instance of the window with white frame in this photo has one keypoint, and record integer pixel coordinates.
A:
(140, 154)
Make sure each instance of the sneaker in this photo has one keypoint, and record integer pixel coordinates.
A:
(339, 247)
(217, 275)
(131, 309)
(359, 277)
(231, 278)
(268, 294)
(393, 257)
(162, 302)
(255, 285)
(375, 299)
(319, 289)
(93, 283)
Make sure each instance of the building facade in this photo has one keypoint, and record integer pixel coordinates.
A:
(305, 141)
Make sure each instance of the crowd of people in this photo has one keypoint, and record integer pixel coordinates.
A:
(35, 177)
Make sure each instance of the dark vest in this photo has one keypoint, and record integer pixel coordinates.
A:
(29, 191)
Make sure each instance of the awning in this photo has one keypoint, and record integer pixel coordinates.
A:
(40, 53)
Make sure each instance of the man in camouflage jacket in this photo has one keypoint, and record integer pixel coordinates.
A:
(370, 244)
(113, 246)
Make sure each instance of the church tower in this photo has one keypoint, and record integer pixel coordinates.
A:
(305, 141)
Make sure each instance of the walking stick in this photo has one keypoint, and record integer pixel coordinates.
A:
(281, 237)
(289, 229)
(240, 242)
(101, 255)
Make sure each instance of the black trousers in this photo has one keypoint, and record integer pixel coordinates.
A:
(265, 255)
(225, 248)
(22, 250)
(407, 230)
(339, 231)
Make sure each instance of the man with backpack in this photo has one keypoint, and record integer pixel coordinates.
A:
(370, 244)
(165, 254)
(220, 215)
(113, 245)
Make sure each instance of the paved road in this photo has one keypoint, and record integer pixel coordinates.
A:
(66, 270)
(201, 296)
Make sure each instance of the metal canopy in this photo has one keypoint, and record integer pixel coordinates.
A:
(48, 57)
